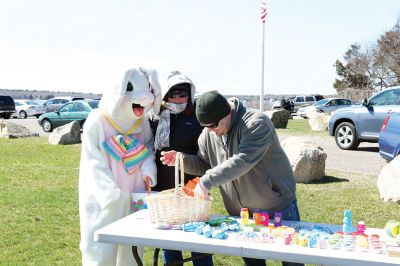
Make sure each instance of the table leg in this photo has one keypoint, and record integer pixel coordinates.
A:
(136, 255)
(174, 263)
(155, 256)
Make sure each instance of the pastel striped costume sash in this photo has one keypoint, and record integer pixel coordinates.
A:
(126, 146)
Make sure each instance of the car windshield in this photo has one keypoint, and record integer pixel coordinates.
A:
(31, 103)
(94, 104)
(321, 102)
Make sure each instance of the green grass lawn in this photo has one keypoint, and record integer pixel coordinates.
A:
(300, 127)
(39, 203)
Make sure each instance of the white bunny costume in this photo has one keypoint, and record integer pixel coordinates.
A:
(117, 155)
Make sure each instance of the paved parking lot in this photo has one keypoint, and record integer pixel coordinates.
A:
(365, 159)
(32, 124)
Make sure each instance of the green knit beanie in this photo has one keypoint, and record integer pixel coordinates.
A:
(211, 107)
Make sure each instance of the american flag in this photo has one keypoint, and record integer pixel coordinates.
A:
(263, 11)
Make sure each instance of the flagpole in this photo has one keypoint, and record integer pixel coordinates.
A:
(262, 70)
(263, 19)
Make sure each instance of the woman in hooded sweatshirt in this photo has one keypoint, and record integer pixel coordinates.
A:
(176, 128)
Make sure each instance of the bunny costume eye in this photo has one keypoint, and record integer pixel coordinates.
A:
(129, 87)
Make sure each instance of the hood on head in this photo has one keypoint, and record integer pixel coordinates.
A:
(175, 78)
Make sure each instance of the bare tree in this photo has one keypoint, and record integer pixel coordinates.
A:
(372, 68)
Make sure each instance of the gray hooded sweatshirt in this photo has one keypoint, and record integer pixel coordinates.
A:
(252, 170)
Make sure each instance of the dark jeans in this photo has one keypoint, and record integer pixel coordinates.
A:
(291, 213)
(176, 255)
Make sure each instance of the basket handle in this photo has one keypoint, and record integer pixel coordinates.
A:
(179, 166)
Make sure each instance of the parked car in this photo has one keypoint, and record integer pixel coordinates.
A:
(25, 108)
(324, 106)
(389, 137)
(72, 111)
(93, 103)
(275, 104)
(41, 102)
(304, 100)
(56, 102)
(7, 106)
(362, 123)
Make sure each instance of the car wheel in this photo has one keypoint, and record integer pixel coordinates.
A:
(22, 114)
(346, 136)
(47, 126)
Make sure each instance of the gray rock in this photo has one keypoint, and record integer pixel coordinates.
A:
(67, 134)
(12, 130)
(307, 159)
(279, 117)
(389, 181)
(318, 121)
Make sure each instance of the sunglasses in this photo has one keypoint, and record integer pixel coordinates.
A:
(213, 125)
(177, 94)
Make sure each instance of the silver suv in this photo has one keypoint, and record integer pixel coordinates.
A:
(292, 104)
(56, 102)
(362, 123)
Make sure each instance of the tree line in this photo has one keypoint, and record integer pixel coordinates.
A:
(371, 68)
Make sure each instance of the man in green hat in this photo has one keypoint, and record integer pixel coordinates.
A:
(239, 151)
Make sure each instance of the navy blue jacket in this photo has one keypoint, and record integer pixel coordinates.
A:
(184, 132)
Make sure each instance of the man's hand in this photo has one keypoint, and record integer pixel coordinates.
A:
(200, 191)
(168, 157)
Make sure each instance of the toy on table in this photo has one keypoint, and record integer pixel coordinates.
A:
(392, 228)
(393, 251)
(361, 227)
(257, 216)
(244, 215)
(347, 222)
(278, 219)
(264, 217)
(218, 220)
(376, 244)
(361, 242)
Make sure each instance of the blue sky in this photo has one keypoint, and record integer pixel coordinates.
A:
(86, 45)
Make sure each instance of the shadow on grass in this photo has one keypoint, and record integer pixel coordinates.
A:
(328, 179)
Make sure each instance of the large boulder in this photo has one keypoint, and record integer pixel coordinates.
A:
(318, 121)
(307, 159)
(279, 117)
(13, 130)
(67, 134)
(389, 181)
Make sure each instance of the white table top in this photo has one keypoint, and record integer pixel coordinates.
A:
(136, 230)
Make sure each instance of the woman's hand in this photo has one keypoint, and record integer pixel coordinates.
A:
(168, 157)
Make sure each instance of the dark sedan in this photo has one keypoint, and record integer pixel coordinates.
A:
(72, 111)
(389, 138)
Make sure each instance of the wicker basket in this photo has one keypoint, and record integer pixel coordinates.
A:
(173, 206)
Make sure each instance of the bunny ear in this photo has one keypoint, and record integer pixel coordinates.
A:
(153, 79)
